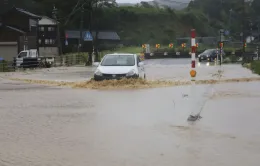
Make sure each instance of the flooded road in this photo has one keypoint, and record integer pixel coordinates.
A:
(42, 125)
(156, 69)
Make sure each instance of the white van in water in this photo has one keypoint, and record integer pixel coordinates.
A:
(117, 66)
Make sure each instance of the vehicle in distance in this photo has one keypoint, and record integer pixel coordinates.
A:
(209, 55)
(117, 66)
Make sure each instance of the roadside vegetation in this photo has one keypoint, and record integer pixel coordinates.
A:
(145, 23)
(254, 66)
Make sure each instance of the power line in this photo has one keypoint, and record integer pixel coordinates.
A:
(76, 8)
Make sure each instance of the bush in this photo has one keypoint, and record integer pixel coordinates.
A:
(4, 66)
(76, 59)
(255, 67)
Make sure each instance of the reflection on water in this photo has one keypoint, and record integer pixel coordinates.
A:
(207, 64)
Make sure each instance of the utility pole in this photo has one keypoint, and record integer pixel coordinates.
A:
(54, 13)
(96, 38)
(81, 30)
(229, 20)
(257, 54)
(220, 46)
(243, 30)
(90, 52)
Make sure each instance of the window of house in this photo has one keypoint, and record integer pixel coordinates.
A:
(50, 28)
(51, 41)
(47, 41)
(41, 29)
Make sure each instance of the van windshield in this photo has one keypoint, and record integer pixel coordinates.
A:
(22, 54)
(118, 60)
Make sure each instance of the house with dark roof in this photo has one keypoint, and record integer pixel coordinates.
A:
(21, 29)
(106, 39)
(21, 19)
(18, 31)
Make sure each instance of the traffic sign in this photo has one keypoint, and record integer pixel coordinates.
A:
(226, 32)
(88, 36)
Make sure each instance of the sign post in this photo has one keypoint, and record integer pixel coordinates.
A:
(257, 54)
(195, 115)
(88, 36)
(147, 48)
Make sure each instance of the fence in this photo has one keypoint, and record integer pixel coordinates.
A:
(76, 59)
(83, 59)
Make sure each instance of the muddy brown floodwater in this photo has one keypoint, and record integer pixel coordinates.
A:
(56, 126)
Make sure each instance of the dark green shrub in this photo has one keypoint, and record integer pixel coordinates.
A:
(4, 66)
(255, 67)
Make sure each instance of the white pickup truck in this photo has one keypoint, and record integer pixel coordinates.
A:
(30, 58)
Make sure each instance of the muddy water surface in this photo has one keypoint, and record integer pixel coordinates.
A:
(58, 126)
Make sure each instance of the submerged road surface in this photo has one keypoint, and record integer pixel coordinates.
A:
(156, 69)
(51, 126)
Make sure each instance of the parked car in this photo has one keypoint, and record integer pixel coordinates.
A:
(119, 65)
(209, 55)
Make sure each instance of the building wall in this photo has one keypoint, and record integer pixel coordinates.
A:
(48, 51)
(28, 42)
(8, 35)
(47, 35)
(8, 50)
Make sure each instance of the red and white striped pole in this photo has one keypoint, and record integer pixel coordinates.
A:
(194, 108)
(193, 55)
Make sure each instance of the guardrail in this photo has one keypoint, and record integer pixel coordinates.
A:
(155, 55)
(73, 60)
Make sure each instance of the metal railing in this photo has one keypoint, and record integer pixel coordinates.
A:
(77, 59)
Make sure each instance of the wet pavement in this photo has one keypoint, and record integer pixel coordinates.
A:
(43, 125)
(156, 69)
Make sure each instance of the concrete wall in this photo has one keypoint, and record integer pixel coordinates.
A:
(48, 51)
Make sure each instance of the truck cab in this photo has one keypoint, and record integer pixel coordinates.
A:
(28, 56)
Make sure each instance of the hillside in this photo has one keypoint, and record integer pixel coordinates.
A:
(146, 23)
(138, 25)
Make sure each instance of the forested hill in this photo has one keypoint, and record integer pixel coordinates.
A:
(145, 23)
